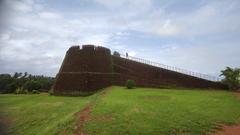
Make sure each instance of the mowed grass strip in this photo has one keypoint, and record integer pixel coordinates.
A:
(146, 111)
(41, 114)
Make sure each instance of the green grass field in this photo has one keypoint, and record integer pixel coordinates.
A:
(40, 114)
(141, 111)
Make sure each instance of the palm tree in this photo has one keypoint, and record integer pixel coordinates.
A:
(232, 77)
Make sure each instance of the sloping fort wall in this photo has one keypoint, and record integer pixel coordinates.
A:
(150, 76)
(91, 68)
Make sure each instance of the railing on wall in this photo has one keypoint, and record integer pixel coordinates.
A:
(171, 68)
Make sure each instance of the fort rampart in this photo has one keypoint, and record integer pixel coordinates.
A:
(84, 70)
(90, 68)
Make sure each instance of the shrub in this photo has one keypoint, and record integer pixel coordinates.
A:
(35, 92)
(130, 84)
(115, 53)
(21, 91)
(50, 92)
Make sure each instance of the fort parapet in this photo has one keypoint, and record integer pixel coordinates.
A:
(90, 68)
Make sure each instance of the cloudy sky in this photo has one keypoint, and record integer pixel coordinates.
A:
(202, 35)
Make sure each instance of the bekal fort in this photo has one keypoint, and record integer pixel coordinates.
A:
(88, 68)
(119, 67)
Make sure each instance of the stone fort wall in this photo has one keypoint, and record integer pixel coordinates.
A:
(150, 76)
(90, 68)
(84, 70)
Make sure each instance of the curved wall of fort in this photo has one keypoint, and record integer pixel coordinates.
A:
(90, 68)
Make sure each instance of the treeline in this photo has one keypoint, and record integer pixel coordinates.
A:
(10, 83)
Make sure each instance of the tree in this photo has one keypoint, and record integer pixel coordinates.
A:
(32, 85)
(232, 77)
(17, 75)
(8, 83)
(25, 75)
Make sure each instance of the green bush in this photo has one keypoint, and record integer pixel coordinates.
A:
(35, 92)
(21, 91)
(50, 92)
(130, 84)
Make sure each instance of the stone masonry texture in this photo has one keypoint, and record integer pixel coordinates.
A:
(90, 68)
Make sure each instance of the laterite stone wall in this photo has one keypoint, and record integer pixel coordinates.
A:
(90, 68)
(150, 76)
(84, 70)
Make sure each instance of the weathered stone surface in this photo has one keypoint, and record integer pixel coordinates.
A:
(90, 68)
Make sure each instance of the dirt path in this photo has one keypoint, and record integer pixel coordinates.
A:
(84, 115)
(229, 130)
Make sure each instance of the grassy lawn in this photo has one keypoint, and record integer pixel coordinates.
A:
(141, 111)
(149, 111)
(40, 114)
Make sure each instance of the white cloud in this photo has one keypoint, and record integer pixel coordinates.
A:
(203, 58)
(5, 36)
(118, 47)
(132, 53)
(21, 6)
(137, 5)
(99, 39)
(34, 40)
(111, 3)
(49, 15)
(120, 33)
(167, 29)
(213, 18)
(38, 36)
